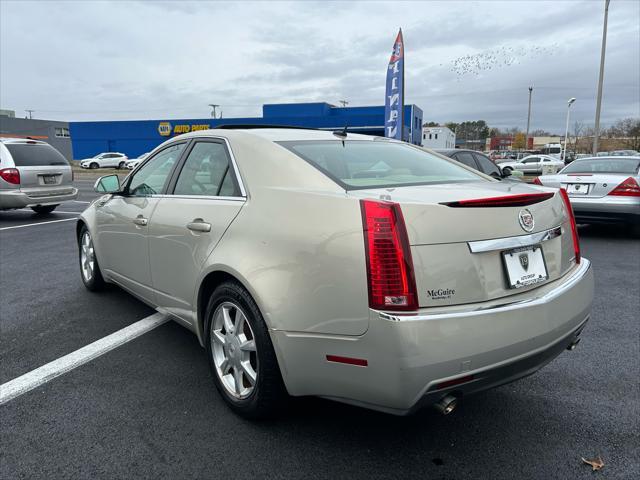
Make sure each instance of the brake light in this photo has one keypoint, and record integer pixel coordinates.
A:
(521, 200)
(574, 227)
(537, 181)
(390, 275)
(628, 188)
(11, 175)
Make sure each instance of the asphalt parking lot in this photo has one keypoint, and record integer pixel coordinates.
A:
(149, 409)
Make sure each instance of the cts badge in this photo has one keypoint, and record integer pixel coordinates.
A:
(164, 129)
(525, 217)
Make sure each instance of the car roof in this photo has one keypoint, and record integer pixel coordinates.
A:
(610, 157)
(21, 140)
(280, 134)
(455, 150)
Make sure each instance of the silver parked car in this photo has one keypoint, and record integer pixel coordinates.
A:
(356, 268)
(532, 164)
(601, 189)
(33, 174)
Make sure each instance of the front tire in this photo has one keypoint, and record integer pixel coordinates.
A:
(507, 170)
(241, 357)
(93, 165)
(120, 165)
(44, 209)
(89, 268)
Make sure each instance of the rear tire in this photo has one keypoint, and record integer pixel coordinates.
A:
(93, 165)
(236, 354)
(89, 268)
(44, 209)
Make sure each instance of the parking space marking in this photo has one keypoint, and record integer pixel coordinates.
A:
(18, 386)
(80, 201)
(37, 223)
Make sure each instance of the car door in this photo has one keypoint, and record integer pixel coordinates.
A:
(530, 165)
(205, 196)
(122, 222)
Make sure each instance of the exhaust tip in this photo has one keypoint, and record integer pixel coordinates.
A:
(446, 404)
(574, 344)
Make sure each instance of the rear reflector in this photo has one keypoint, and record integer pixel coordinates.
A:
(390, 276)
(521, 200)
(628, 188)
(10, 175)
(455, 381)
(572, 220)
(360, 362)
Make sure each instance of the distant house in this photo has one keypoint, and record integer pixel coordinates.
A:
(438, 137)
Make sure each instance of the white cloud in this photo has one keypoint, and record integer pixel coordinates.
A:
(129, 60)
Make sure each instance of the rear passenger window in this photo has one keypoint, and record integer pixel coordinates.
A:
(467, 159)
(207, 171)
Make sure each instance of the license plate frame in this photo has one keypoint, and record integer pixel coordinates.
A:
(521, 272)
(577, 188)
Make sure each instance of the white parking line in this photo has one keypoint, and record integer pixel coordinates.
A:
(38, 223)
(18, 386)
(80, 201)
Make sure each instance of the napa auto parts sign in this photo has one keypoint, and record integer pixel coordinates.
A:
(166, 129)
(394, 98)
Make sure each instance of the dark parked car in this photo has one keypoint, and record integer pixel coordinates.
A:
(477, 161)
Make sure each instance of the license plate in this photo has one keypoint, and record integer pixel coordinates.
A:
(577, 189)
(525, 266)
(49, 179)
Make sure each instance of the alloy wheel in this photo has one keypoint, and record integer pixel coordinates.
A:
(87, 257)
(234, 350)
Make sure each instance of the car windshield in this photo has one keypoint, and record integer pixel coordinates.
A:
(357, 164)
(603, 165)
(35, 154)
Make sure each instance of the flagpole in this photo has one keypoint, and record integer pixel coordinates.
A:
(403, 88)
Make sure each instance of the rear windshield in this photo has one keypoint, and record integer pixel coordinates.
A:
(366, 164)
(35, 154)
(603, 165)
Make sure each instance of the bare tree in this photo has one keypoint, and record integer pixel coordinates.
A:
(578, 128)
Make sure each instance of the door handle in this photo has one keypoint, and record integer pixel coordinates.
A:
(199, 225)
(141, 221)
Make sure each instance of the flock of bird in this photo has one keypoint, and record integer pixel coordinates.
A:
(501, 57)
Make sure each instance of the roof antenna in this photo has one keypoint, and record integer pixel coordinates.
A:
(341, 134)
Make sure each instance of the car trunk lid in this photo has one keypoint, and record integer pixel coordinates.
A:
(445, 222)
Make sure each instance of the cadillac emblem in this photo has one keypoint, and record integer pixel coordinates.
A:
(525, 217)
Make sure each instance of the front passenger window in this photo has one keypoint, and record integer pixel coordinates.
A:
(206, 171)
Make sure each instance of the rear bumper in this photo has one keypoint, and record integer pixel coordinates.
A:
(409, 356)
(609, 209)
(31, 198)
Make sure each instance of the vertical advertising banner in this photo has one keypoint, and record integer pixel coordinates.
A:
(394, 98)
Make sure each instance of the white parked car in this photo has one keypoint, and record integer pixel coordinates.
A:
(533, 164)
(352, 267)
(105, 160)
(131, 164)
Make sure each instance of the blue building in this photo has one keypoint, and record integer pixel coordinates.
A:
(135, 137)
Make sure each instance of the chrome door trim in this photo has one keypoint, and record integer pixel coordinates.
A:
(514, 242)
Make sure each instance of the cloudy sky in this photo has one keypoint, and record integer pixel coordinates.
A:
(465, 60)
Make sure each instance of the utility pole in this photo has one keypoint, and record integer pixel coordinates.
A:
(213, 111)
(526, 138)
(596, 133)
(566, 130)
(30, 112)
(343, 102)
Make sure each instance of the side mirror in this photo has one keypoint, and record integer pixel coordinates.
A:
(107, 184)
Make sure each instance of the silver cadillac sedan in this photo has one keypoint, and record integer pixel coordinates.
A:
(350, 267)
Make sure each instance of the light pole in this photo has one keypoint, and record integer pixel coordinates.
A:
(566, 130)
(596, 133)
(526, 137)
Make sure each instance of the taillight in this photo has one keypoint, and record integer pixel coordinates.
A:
(537, 181)
(572, 220)
(628, 188)
(520, 200)
(390, 276)
(11, 175)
